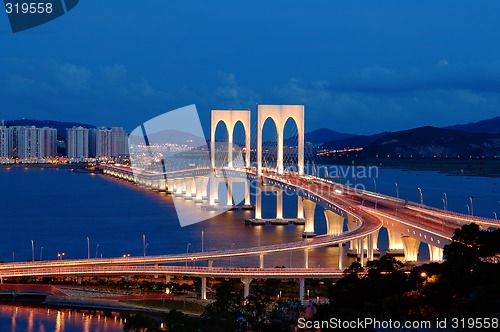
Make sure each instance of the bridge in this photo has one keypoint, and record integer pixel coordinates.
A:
(363, 212)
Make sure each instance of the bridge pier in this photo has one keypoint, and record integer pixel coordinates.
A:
(369, 253)
(203, 288)
(279, 204)
(410, 248)
(306, 258)
(352, 224)
(258, 201)
(229, 183)
(246, 288)
(309, 207)
(301, 289)
(204, 188)
(362, 252)
(247, 193)
(261, 261)
(1, 281)
(435, 253)
(300, 208)
(199, 189)
(178, 187)
(341, 252)
(210, 263)
(188, 183)
(214, 191)
(79, 280)
(167, 278)
(396, 246)
(334, 223)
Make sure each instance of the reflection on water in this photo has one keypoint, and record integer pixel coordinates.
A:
(17, 318)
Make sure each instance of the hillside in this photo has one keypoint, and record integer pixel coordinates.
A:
(491, 126)
(434, 142)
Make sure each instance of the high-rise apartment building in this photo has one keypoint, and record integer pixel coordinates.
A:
(119, 142)
(77, 142)
(6, 142)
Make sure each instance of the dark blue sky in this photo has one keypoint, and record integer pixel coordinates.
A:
(358, 66)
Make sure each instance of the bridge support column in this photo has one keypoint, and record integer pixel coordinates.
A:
(214, 191)
(435, 253)
(247, 192)
(199, 189)
(410, 248)
(306, 258)
(352, 224)
(300, 208)
(362, 252)
(301, 289)
(246, 288)
(203, 288)
(258, 201)
(167, 278)
(334, 223)
(279, 204)
(341, 253)
(261, 261)
(369, 253)
(1, 281)
(178, 187)
(156, 276)
(188, 184)
(396, 246)
(210, 263)
(229, 192)
(79, 280)
(170, 186)
(309, 207)
(204, 188)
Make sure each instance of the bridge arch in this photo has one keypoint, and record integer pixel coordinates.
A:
(280, 114)
(230, 119)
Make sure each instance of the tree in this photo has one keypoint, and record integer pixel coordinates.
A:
(141, 323)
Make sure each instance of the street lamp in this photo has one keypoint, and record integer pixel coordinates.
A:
(41, 252)
(421, 196)
(202, 241)
(471, 205)
(32, 251)
(96, 248)
(397, 190)
(144, 244)
(60, 256)
(495, 215)
(187, 251)
(423, 275)
(468, 209)
(445, 201)
(375, 184)
(88, 247)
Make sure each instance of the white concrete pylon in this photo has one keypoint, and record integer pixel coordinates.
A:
(279, 114)
(279, 204)
(435, 253)
(410, 248)
(309, 207)
(199, 181)
(230, 119)
(203, 288)
(334, 223)
(395, 241)
(246, 288)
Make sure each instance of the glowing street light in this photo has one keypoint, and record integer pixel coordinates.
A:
(397, 190)
(468, 209)
(41, 252)
(32, 251)
(421, 196)
(445, 201)
(96, 248)
(60, 256)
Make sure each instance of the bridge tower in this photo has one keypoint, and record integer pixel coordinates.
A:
(280, 114)
(230, 118)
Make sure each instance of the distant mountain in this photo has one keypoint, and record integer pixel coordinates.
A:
(319, 136)
(491, 126)
(431, 141)
(356, 141)
(171, 136)
(59, 125)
